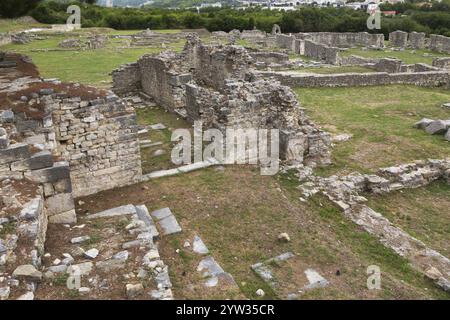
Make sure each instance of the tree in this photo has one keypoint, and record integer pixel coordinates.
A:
(16, 8)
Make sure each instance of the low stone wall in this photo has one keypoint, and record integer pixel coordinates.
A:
(426, 79)
(321, 52)
(439, 43)
(344, 39)
(270, 57)
(355, 60)
(285, 41)
(443, 63)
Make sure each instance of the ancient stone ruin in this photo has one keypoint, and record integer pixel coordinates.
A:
(208, 83)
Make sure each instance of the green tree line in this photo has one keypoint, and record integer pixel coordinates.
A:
(432, 17)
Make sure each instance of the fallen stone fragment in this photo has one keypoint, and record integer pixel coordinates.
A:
(447, 135)
(260, 293)
(198, 246)
(27, 272)
(423, 123)
(315, 279)
(27, 296)
(121, 255)
(80, 239)
(284, 237)
(84, 290)
(157, 126)
(82, 269)
(91, 253)
(114, 212)
(4, 293)
(134, 290)
(438, 127)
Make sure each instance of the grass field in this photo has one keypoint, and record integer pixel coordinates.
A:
(91, 67)
(238, 214)
(407, 56)
(421, 212)
(380, 119)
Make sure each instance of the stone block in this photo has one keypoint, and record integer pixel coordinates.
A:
(68, 217)
(59, 203)
(15, 152)
(59, 171)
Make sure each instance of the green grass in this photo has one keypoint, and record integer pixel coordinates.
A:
(407, 56)
(153, 115)
(334, 70)
(12, 25)
(380, 119)
(92, 67)
(421, 212)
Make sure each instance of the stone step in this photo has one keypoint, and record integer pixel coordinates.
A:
(128, 209)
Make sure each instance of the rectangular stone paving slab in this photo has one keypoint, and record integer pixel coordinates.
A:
(114, 212)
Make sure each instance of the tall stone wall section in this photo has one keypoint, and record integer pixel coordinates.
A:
(439, 43)
(285, 41)
(322, 52)
(398, 39)
(126, 79)
(99, 140)
(158, 80)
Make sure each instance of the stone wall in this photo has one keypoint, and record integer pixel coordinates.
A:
(322, 52)
(439, 43)
(398, 39)
(126, 79)
(99, 140)
(426, 79)
(443, 63)
(416, 40)
(220, 88)
(285, 41)
(345, 39)
(158, 80)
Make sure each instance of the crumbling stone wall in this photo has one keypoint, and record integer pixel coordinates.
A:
(426, 79)
(344, 39)
(221, 89)
(321, 52)
(416, 40)
(443, 63)
(439, 43)
(398, 39)
(99, 140)
(388, 65)
(160, 81)
(285, 41)
(126, 79)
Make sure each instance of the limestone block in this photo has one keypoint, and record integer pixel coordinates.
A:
(59, 203)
